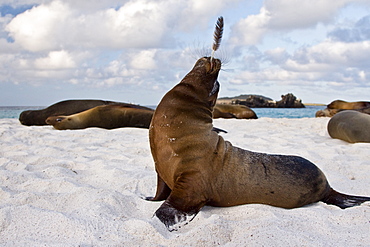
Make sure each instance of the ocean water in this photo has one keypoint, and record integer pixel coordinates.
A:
(309, 111)
(14, 111)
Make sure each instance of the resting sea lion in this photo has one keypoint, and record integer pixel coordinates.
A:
(341, 104)
(327, 112)
(196, 167)
(331, 112)
(350, 126)
(67, 107)
(233, 111)
(105, 116)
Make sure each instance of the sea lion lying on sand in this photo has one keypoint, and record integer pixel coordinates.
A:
(196, 167)
(107, 117)
(233, 111)
(327, 112)
(104, 116)
(350, 126)
(341, 104)
(66, 107)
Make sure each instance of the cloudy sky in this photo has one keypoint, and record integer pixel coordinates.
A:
(135, 51)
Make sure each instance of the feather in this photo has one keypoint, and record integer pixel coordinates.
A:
(217, 35)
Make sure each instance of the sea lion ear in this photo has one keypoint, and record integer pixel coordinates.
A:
(216, 87)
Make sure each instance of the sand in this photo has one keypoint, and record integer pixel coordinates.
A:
(86, 188)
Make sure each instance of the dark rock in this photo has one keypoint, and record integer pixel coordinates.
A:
(259, 101)
(289, 101)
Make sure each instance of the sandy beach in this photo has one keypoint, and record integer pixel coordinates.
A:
(86, 188)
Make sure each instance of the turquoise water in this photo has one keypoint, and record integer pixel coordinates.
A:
(309, 111)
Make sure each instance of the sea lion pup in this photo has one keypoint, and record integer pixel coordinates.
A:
(233, 111)
(105, 116)
(66, 107)
(350, 126)
(196, 167)
(341, 104)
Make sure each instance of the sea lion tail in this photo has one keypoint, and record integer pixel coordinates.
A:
(344, 201)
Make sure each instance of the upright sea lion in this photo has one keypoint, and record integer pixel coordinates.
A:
(66, 107)
(196, 167)
(233, 111)
(105, 116)
(350, 126)
(341, 104)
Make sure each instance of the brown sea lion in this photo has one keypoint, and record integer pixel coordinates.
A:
(327, 112)
(341, 104)
(233, 111)
(331, 112)
(67, 107)
(196, 167)
(350, 126)
(105, 116)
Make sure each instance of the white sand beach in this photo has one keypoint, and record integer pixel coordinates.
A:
(86, 188)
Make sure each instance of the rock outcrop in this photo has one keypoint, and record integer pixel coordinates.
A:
(259, 101)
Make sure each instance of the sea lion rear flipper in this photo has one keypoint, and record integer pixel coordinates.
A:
(344, 201)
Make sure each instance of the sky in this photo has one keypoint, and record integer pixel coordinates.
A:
(135, 51)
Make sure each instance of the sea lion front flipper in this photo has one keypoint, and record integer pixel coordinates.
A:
(173, 218)
(182, 205)
(163, 191)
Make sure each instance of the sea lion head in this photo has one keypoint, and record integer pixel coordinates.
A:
(203, 76)
(60, 122)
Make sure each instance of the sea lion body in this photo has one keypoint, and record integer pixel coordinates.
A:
(66, 107)
(233, 111)
(350, 126)
(105, 116)
(341, 104)
(196, 167)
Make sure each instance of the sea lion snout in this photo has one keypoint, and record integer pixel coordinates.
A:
(212, 65)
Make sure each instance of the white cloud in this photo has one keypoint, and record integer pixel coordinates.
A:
(337, 64)
(55, 60)
(144, 60)
(285, 15)
(38, 29)
(291, 14)
(135, 24)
